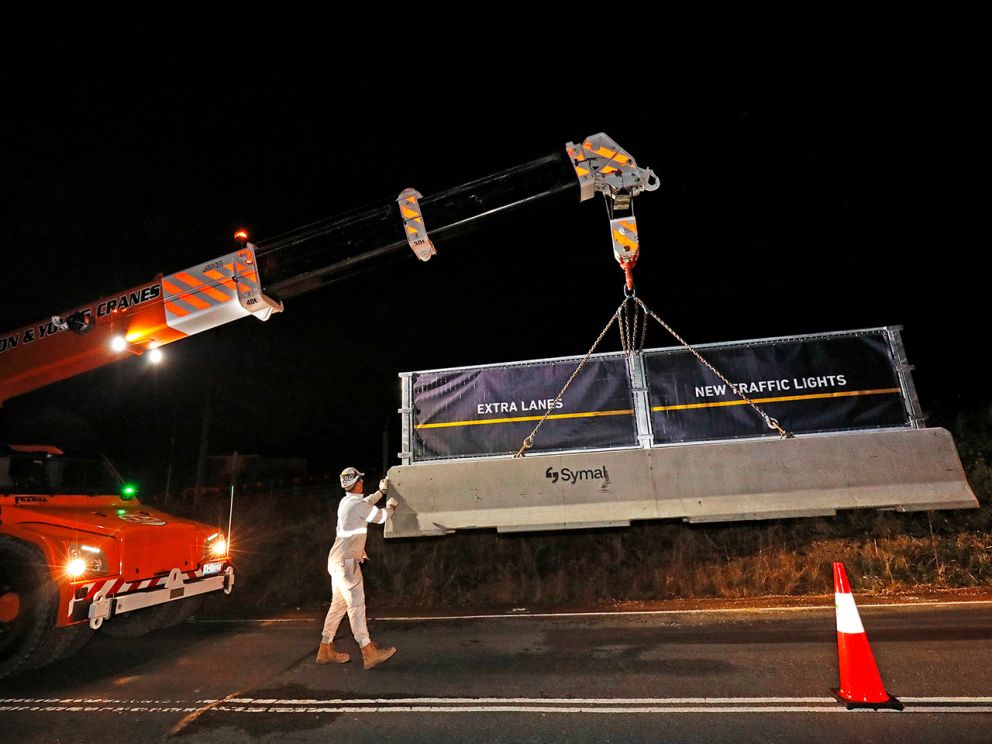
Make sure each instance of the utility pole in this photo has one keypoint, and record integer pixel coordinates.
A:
(201, 460)
(168, 471)
(385, 448)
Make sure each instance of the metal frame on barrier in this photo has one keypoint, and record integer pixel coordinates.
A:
(637, 383)
(905, 372)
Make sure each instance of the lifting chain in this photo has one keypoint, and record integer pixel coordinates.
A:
(631, 316)
(769, 421)
(529, 440)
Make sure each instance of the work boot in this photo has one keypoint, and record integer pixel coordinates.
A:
(327, 655)
(372, 655)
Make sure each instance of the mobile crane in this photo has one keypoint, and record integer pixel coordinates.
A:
(78, 552)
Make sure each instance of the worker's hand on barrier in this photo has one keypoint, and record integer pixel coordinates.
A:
(384, 485)
(392, 502)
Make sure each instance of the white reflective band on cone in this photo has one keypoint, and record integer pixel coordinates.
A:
(848, 619)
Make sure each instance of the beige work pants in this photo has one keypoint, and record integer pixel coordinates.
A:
(347, 595)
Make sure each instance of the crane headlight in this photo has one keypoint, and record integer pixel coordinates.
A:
(215, 546)
(85, 560)
(118, 343)
(75, 568)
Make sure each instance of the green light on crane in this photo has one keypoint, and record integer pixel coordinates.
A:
(129, 491)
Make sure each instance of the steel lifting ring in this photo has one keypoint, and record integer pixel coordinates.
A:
(773, 424)
(629, 292)
(527, 444)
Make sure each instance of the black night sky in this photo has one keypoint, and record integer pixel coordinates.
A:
(820, 171)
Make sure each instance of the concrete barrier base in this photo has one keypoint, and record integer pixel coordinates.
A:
(812, 475)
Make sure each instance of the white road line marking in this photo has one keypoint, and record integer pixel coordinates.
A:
(536, 701)
(194, 713)
(810, 608)
(536, 709)
(93, 709)
(209, 621)
(92, 701)
(972, 709)
(468, 700)
(946, 699)
(930, 705)
(581, 709)
(669, 709)
(949, 700)
(603, 613)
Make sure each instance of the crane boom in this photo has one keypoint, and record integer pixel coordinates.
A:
(253, 280)
(316, 255)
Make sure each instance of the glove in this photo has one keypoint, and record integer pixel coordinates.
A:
(374, 497)
(392, 502)
(384, 485)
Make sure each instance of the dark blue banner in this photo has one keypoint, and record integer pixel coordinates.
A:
(813, 384)
(490, 410)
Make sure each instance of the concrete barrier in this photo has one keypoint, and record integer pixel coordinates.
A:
(904, 470)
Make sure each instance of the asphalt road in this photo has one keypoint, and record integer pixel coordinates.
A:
(690, 676)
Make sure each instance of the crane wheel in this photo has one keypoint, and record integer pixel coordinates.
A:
(29, 603)
(10, 607)
(60, 644)
(184, 609)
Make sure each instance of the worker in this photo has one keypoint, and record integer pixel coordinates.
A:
(355, 513)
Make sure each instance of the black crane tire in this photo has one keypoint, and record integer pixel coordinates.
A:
(61, 644)
(29, 604)
(184, 609)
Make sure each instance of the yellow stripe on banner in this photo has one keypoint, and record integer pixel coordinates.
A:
(783, 399)
(586, 414)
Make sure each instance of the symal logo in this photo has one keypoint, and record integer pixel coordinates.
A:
(567, 475)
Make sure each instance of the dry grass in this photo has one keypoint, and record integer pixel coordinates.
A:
(282, 541)
(886, 552)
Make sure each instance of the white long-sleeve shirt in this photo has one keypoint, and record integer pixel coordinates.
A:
(355, 513)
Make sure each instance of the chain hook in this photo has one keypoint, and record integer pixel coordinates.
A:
(774, 424)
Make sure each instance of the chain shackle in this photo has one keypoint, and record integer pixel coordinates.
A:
(773, 424)
(527, 444)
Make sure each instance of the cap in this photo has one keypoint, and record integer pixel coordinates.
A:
(349, 477)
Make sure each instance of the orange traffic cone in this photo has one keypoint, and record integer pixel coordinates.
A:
(860, 684)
